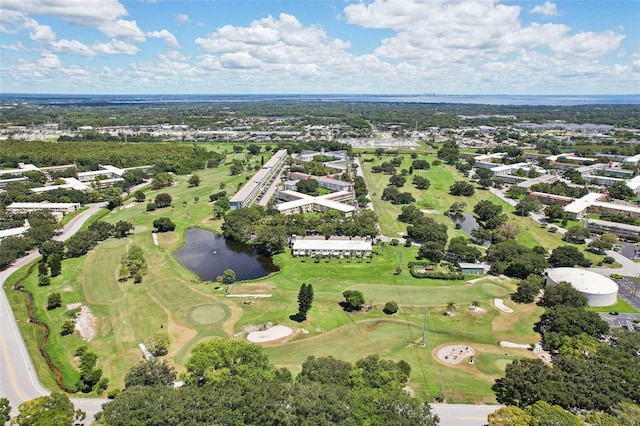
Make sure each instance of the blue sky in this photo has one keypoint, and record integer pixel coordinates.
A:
(320, 46)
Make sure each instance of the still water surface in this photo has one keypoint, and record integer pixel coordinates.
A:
(208, 255)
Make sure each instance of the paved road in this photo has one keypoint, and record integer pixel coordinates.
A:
(18, 379)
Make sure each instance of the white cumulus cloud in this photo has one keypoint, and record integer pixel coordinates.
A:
(116, 47)
(169, 39)
(123, 28)
(547, 9)
(73, 46)
(88, 13)
(49, 60)
(182, 18)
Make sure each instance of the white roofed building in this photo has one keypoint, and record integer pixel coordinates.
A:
(50, 207)
(333, 247)
(599, 290)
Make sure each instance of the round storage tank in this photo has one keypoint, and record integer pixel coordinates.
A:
(600, 290)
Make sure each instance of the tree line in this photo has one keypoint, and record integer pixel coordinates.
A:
(233, 382)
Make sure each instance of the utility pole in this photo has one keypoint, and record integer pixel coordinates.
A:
(424, 330)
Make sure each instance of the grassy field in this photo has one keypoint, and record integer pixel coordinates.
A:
(620, 306)
(171, 299)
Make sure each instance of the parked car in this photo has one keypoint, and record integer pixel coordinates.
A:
(614, 313)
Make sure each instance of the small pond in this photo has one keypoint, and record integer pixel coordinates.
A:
(466, 220)
(208, 255)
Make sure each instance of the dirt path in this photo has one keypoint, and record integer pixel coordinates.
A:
(236, 314)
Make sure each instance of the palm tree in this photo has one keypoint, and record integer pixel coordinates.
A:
(451, 306)
(475, 305)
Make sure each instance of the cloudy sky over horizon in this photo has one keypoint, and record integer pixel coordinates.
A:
(320, 46)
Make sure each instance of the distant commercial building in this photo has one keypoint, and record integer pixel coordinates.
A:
(323, 182)
(296, 202)
(548, 199)
(247, 195)
(634, 184)
(50, 207)
(69, 183)
(22, 167)
(5, 182)
(634, 160)
(15, 232)
(622, 230)
(601, 180)
(308, 156)
(332, 247)
(599, 290)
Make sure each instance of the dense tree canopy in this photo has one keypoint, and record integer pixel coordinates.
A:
(52, 410)
(232, 382)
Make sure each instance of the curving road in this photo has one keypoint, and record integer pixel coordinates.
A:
(19, 381)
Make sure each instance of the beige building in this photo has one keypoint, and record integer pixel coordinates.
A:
(332, 247)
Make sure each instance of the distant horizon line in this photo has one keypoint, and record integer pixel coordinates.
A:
(318, 94)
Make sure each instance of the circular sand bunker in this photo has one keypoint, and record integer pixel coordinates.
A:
(454, 354)
(270, 334)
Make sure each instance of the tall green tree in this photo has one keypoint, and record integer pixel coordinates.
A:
(194, 180)
(229, 276)
(55, 264)
(305, 300)
(354, 299)
(150, 373)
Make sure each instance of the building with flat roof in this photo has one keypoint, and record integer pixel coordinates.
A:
(550, 198)
(323, 182)
(50, 207)
(579, 208)
(296, 202)
(15, 232)
(473, 268)
(599, 290)
(634, 184)
(70, 183)
(260, 182)
(5, 182)
(622, 230)
(333, 247)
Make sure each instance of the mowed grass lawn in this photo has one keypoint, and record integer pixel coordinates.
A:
(436, 201)
(171, 300)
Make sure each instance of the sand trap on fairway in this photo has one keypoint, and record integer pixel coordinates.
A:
(514, 345)
(274, 333)
(500, 305)
(454, 354)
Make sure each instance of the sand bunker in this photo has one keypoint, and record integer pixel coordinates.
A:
(500, 305)
(270, 334)
(514, 345)
(455, 354)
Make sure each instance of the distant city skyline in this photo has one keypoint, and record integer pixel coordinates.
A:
(323, 46)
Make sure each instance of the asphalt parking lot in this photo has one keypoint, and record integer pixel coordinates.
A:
(622, 320)
(629, 290)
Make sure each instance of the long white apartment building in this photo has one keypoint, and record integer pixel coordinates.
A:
(50, 207)
(247, 195)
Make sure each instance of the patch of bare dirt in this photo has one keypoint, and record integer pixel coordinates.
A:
(86, 323)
